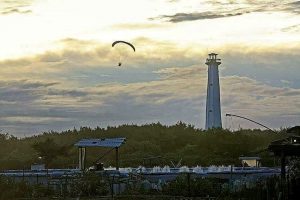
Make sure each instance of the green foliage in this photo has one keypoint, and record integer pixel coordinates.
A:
(48, 150)
(294, 168)
(198, 187)
(88, 185)
(186, 185)
(171, 143)
(11, 189)
(268, 188)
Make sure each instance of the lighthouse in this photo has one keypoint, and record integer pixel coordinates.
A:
(213, 107)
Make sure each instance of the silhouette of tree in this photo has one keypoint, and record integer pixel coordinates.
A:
(48, 150)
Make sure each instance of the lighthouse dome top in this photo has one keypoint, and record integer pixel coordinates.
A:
(212, 58)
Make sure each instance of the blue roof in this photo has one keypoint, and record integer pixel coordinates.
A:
(102, 142)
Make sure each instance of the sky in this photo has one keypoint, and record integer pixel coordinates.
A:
(58, 69)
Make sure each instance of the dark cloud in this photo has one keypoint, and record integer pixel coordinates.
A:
(295, 4)
(224, 10)
(35, 85)
(23, 91)
(71, 93)
(180, 17)
(26, 84)
(292, 7)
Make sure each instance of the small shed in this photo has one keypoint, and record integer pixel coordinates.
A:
(112, 143)
(250, 161)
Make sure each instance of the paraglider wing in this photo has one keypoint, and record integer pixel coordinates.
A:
(120, 41)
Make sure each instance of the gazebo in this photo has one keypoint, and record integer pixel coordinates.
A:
(289, 146)
(112, 143)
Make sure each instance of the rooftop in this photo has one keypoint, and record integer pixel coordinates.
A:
(101, 142)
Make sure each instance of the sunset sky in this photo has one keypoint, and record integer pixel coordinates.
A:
(58, 69)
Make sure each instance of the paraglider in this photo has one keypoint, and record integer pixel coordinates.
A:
(120, 41)
(124, 42)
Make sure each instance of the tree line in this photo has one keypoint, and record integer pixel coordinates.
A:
(148, 145)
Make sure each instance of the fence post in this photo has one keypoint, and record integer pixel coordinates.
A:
(189, 183)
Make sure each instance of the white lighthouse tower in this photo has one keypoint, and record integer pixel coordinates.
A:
(213, 107)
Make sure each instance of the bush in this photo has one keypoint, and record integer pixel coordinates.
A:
(186, 186)
(11, 189)
(89, 184)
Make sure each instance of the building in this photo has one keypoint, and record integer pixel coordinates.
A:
(213, 107)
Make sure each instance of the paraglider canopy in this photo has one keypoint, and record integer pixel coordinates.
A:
(121, 53)
(120, 41)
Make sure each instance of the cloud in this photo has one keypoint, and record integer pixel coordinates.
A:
(31, 120)
(23, 91)
(292, 29)
(180, 17)
(15, 10)
(71, 93)
(11, 6)
(224, 9)
(27, 84)
(293, 7)
(267, 65)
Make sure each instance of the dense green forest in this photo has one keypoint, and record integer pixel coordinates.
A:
(165, 143)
